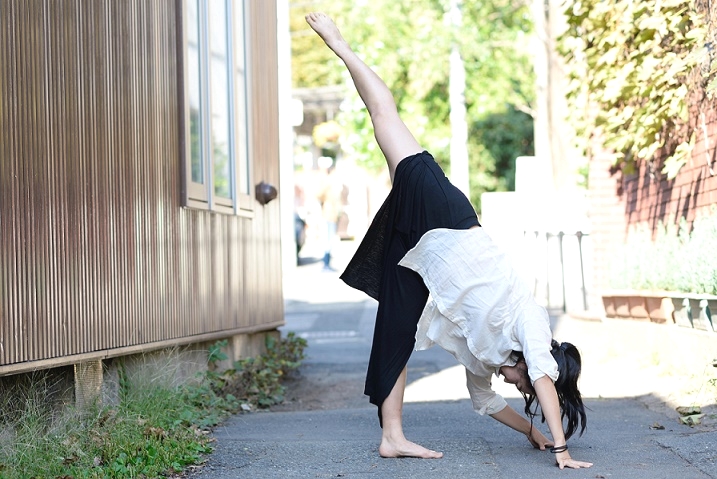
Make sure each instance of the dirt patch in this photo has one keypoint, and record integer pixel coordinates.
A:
(313, 388)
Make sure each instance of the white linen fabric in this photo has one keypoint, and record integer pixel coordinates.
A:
(479, 310)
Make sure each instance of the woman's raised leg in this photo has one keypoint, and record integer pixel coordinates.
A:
(393, 137)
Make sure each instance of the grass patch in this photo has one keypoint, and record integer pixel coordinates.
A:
(156, 428)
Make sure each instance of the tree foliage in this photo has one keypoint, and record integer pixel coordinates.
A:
(631, 65)
(313, 64)
(408, 44)
(505, 135)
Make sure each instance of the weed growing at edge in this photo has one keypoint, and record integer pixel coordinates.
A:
(155, 430)
(256, 381)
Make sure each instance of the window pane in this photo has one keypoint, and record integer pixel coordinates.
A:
(242, 156)
(194, 85)
(219, 73)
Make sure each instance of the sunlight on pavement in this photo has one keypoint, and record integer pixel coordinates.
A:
(311, 284)
(450, 385)
(620, 359)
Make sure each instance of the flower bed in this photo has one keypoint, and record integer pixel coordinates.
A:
(668, 275)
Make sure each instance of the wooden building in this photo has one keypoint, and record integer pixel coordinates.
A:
(134, 138)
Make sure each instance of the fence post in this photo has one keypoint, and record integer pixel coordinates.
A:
(579, 234)
(562, 270)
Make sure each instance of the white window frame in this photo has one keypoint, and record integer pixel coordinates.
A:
(202, 195)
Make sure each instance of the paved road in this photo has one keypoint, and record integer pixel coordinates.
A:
(633, 429)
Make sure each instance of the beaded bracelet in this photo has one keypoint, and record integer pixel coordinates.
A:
(558, 449)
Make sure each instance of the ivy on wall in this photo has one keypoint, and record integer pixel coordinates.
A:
(633, 66)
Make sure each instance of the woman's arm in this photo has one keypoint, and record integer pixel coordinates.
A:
(512, 419)
(549, 404)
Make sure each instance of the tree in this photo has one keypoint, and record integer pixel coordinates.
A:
(635, 73)
(313, 64)
(408, 43)
(494, 41)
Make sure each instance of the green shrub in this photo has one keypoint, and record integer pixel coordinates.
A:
(157, 428)
(678, 259)
(632, 68)
(257, 380)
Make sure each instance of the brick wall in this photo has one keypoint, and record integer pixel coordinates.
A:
(653, 198)
(619, 202)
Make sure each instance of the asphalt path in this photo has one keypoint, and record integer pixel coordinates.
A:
(331, 430)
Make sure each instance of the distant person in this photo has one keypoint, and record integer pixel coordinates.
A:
(299, 221)
(426, 237)
(330, 198)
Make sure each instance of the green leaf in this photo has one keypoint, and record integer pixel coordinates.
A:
(632, 61)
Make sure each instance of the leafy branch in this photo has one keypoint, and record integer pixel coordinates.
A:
(632, 70)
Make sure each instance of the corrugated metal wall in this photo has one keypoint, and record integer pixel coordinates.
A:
(98, 257)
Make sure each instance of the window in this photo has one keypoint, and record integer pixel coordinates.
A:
(216, 160)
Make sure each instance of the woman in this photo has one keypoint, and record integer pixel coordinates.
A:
(425, 229)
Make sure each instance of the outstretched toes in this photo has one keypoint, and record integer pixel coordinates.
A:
(406, 448)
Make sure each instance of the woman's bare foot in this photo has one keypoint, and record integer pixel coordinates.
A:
(326, 29)
(405, 448)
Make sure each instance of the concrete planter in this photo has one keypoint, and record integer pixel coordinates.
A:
(688, 310)
(622, 305)
(608, 302)
(659, 309)
(701, 312)
(625, 304)
(682, 313)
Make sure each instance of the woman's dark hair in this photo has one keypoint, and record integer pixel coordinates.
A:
(569, 363)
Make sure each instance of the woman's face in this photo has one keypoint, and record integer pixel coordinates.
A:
(518, 375)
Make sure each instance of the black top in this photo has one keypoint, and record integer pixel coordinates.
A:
(421, 199)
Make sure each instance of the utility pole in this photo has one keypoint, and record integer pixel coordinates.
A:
(553, 134)
(541, 58)
(456, 88)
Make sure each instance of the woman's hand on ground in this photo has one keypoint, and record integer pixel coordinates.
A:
(564, 460)
(538, 440)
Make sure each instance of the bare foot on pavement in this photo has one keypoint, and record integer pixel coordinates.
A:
(406, 448)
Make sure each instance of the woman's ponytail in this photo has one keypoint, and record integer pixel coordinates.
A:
(569, 363)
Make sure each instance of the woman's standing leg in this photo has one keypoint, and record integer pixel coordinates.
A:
(393, 442)
(396, 143)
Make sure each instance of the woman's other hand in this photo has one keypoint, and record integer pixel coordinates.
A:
(538, 439)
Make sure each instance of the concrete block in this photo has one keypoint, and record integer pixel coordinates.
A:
(88, 382)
